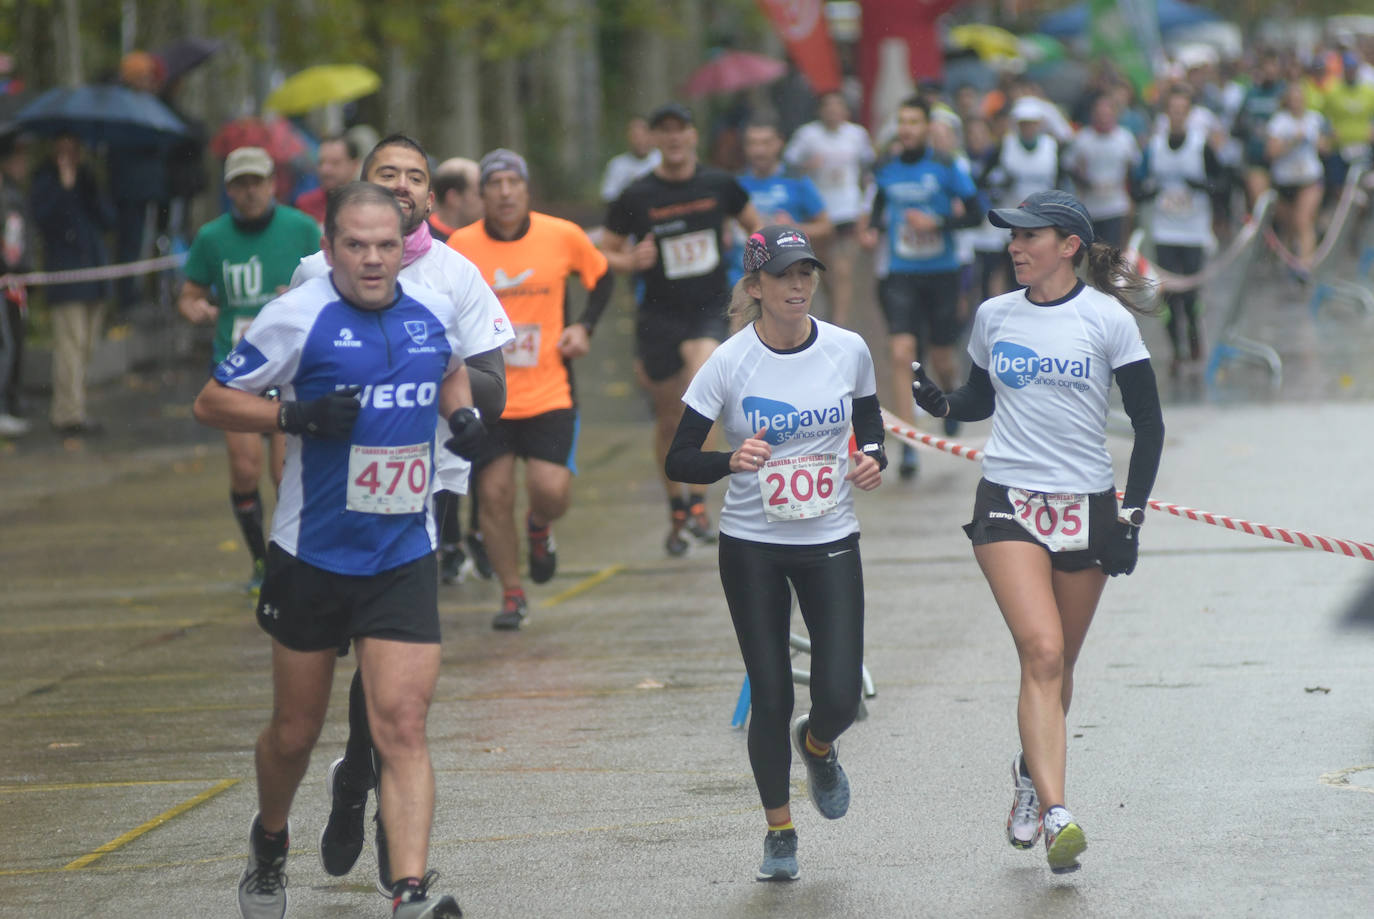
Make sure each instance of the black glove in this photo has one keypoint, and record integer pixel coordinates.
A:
(330, 416)
(928, 396)
(1119, 554)
(468, 432)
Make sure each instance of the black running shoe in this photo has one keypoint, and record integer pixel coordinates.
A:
(416, 903)
(341, 841)
(514, 611)
(453, 565)
(952, 427)
(676, 544)
(911, 463)
(699, 524)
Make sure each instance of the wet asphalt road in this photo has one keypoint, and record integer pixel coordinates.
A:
(1222, 751)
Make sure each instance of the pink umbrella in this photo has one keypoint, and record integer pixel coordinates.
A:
(732, 71)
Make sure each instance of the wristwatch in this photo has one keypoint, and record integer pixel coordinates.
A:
(877, 452)
(1131, 516)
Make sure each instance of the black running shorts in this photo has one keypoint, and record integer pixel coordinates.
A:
(992, 522)
(658, 336)
(311, 609)
(924, 305)
(548, 437)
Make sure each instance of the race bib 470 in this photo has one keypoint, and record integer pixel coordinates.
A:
(388, 480)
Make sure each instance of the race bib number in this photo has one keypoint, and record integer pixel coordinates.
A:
(1058, 522)
(388, 480)
(523, 351)
(241, 324)
(690, 255)
(799, 487)
(1178, 202)
(918, 246)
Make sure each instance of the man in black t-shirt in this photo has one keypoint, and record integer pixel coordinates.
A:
(667, 227)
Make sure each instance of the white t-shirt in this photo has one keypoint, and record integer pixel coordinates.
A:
(1103, 160)
(840, 157)
(1030, 171)
(1301, 165)
(1051, 367)
(624, 169)
(482, 326)
(1182, 214)
(806, 398)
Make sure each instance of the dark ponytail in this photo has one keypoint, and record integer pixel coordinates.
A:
(1112, 273)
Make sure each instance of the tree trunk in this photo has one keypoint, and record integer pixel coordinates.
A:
(459, 128)
(400, 92)
(67, 40)
(508, 118)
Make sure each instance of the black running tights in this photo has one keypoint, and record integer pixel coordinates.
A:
(1184, 332)
(829, 583)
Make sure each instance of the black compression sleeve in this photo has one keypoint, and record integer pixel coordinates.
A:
(975, 400)
(686, 461)
(1140, 397)
(973, 215)
(487, 376)
(868, 421)
(875, 216)
(597, 300)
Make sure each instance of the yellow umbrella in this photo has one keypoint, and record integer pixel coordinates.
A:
(988, 42)
(322, 85)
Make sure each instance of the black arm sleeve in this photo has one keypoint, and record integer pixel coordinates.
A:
(973, 215)
(868, 421)
(597, 300)
(875, 216)
(686, 461)
(1140, 397)
(975, 400)
(487, 376)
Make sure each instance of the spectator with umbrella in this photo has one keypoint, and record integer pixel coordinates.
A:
(138, 179)
(72, 215)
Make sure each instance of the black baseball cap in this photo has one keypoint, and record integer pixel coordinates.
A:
(671, 110)
(776, 247)
(1053, 208)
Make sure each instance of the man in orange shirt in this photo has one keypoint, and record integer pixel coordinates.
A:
(527, 258)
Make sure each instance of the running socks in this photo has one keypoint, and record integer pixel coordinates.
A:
(789, 825)
(248, 512)
(814, 748)
(268, 846)
(677, 509)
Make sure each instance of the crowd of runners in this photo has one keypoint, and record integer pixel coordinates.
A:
(425, 352)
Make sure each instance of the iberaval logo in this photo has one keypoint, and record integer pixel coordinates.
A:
(1018, 366)
(786, 421)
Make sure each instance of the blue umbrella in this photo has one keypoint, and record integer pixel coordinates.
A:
(1077, 19)
(104, 113)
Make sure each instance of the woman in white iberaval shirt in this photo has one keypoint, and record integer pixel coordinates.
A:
(1297, 138)
(787, 389)
(1046, 529)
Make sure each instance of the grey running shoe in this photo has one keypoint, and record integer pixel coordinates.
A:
(416, 903)
(341, 840)
(454, 565)
(699, 524)
(779, 856)
(826, 782)
(262, 888)
(1023, 823)
(514, 610)
(911, 463)
(1064, 840)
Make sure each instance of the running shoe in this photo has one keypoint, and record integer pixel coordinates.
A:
(1064, 840)
(477, 554)
(514, 610)
(952, 427)
(255, 580)
(415, 903)
(826, 782)
(779, 856)
(12, 426)
(1023, 823)
(911, 463)
(341, 840)
(699, 524)
(676, 544)
(454, 565)
(384, 880)
(543, 551)
(262, 888)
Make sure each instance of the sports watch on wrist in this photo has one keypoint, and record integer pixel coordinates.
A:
(877, 452)
(1131, 516)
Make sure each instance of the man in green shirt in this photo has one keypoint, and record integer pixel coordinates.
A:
(245, 258)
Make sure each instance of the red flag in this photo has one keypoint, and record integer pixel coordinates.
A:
(801, 23)
(909, 21)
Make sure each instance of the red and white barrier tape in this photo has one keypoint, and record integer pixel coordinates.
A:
(1178, 283)
(102, 273)
(1329, 238)
(1348, 547)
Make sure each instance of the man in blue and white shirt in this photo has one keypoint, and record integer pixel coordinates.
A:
(365, 367)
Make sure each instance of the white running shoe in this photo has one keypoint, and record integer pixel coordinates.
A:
(1064, 840)
(1023, 823)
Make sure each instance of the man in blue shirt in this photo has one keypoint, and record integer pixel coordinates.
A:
(922, 197)
(778, 197)
(364, 367)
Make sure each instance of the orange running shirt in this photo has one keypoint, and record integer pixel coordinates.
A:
(529, 276)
